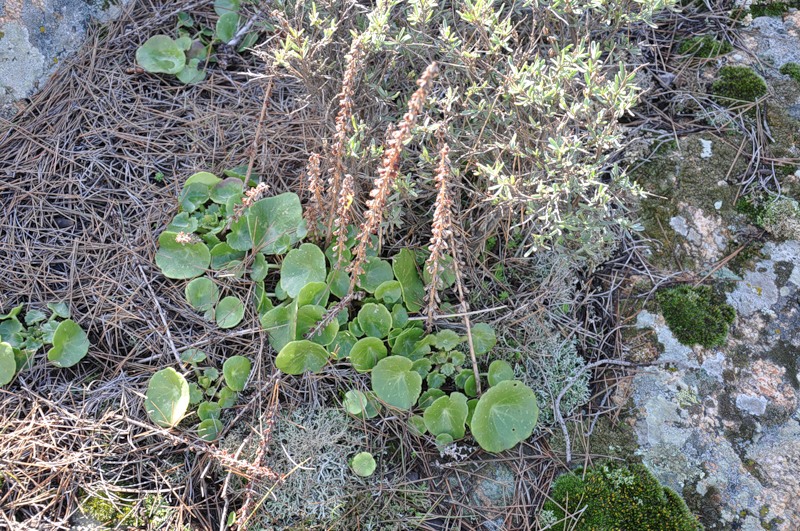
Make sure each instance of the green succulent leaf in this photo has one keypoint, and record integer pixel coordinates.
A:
(160, 54)
(423, 366)
(360, 405)
(416, 425)
(202, 177)
(301, 356)
(195, 393)
(167, 398)
(470, 386)
(375, 320)
(226, 190)
(181, 260)
(230, 312)
(443, 440)
(223, 7)
(227, 397)
(399, 316)
(222, 255)
(308, 317)
(429, 397)
(408, 344)
(500, 371)
(435, 379)
(8, 364)
(70, 344)
(202, 294)
(280, 323)
(276, 223)
(366, 353)
(59, 309)
(447, 414)
(260, 268)
(405, 270)
(301, 266)
(227, 26)
(396, 383)
(342, 344)
(389, 292)
(190, 74)
(339, 282)
(209, 429)
(183, 222)
(209, 410)
(236, 371)
(316, 293)
(376, 272)
(447, 340)
(504, 416)
(483, 338)
(472, 403)
(34, 316)
(17, 309)
(363, 464)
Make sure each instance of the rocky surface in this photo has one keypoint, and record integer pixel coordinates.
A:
(35, 37)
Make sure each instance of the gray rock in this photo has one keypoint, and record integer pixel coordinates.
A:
(753, 404)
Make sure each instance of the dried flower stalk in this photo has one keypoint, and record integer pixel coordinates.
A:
(250, 196)
(343, 117)
(343, 205)
(387, 174)
(440, 233)
(313, 211)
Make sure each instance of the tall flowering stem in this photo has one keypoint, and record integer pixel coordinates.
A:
(343, 205)
(387, 174)
(313, 210)
(353, 61)
(440, 232)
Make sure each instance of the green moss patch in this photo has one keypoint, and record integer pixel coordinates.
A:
(705, 46)
(739, 83)
(616, 497)
(771, 9)
(792, 70)
(695, 316)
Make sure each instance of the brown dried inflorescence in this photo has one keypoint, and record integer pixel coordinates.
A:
(313, 210)
(387, 174)
(441, 232)
(343, 118)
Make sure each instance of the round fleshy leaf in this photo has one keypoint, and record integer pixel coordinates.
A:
(483, 338)
(316, 293)
(236, 371)
(301, 356)
(181, 260)
(275, 224)
(193, 197)
(472, 403)
(376, 272)
(167, 398)
(227, 26)
(423, 366)
(447, 340)
(435, 379)
(429, 397)
(416, 425)
(366, 353)
(227, 397)
(405, 270)
(500, 371)
(408, 344)
(443, 440)
(363, 464)
(230, 312)
(222, 7)
(203, 177)
(360, 405)
(396, 383)
(8, 364)
(375, 320)
(342, 344)
(209, 410)
(259, 269)
(470, 386)
(307, 319)
(202, 294)
(399, 316)
(225, 190)
(389, 292)
(504, 416)
(70, 344)
(301, 266)
(339, 282)
(161, 55)
(280, 323)
(195, 393)
(209, 429)
(223, 255)
(447, 414)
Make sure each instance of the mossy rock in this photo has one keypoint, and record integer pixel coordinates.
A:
(695, 315)
(738, 83)
(616, 497)
(705, 46)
